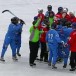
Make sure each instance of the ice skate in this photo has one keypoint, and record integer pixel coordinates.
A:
(49, 63)
(72, 69)
(54, 67)
(2, 59)
(14, 58)
(65, 65)
(18, 54)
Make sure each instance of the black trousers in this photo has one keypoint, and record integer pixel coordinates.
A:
(73, 59)
(33, 51)
(44, 52)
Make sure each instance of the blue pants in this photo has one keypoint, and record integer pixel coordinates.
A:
(66, 55)
(8, 41)
(52, 54)
(18, 44)
(63, 52)
(60, 49)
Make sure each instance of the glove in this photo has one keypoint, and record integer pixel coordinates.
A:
(62, 42)
(65, 45)
(21, 21)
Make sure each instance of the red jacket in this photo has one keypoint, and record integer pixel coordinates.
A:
(67, 17)
(43, 35)
(41, 15)
(72, 41)
(73, 19)
(59, 15)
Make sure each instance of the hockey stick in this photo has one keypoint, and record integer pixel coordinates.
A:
(10, 13)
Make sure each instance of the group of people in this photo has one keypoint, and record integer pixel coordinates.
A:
(55, 35)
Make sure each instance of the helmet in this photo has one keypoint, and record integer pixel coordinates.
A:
(14, 20)
(60, 9)
(35, 18)
(40, 10)
(65, 10)
(49, 7)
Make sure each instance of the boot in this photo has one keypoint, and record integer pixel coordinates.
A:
(14, 58)
(34, 64)
(49, 63)
(72, 69)
(41, 59)
(65, 65)
(19, 54)
(2, 59)
(54, 67)
(31, 64)
(45, 60)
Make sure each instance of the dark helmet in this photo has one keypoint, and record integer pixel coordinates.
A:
(49, 7)
(35, 18)
(60, 9)
(14, 20)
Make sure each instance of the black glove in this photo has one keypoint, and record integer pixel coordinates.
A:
(21, 21)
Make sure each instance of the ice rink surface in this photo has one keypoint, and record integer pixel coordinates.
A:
(26, 10)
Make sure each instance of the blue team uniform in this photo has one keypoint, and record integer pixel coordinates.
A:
(63, 52)
(66, 33)
(52, 38)
(10, 38)
(18, 41)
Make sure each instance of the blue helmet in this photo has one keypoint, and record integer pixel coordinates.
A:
(35, 18)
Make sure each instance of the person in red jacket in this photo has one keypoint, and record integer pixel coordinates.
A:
(72, 17)
(72, 43)
(40, 14)
(65, 10)
(44, 52)
(58, 16)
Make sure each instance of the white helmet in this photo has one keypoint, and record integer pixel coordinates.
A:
(40, 10)
(65, 10)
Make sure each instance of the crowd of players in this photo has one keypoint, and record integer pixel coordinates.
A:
(53, 33)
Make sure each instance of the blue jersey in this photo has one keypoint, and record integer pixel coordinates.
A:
(66, 33)
(52, 37)
(60, 32)
(13, 30)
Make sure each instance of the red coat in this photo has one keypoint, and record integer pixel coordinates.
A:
(67, 17)
(43, 35)
(41, 15)
(59, 15)
(72, 41)
(73, 19)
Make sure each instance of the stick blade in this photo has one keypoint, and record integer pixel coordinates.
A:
(4, 11)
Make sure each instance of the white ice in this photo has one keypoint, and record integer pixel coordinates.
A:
(26, 10)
